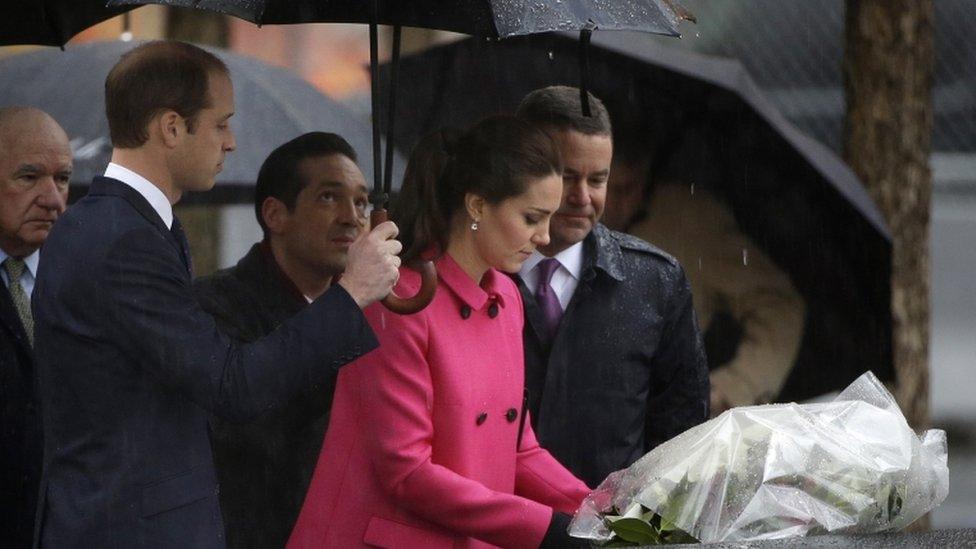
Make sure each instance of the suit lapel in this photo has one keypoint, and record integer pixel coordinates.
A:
(11, 320)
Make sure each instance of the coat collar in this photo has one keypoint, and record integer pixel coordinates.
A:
(259, 264)
(601, 251)
(493, 286)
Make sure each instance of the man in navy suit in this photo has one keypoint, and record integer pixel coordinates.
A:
(130, 365)
(35, 166)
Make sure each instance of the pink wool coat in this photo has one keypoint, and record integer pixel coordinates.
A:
(420, 451)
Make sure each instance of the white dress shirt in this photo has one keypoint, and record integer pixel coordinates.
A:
(30, 273)
(566, 277)
(150, 192)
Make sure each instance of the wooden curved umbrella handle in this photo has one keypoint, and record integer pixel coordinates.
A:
(428, 279)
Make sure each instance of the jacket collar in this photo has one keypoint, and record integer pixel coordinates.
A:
(601, 251)
(492, 287)
(260, 262)
(106, 186)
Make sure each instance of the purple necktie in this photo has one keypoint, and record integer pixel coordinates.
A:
(552, 311)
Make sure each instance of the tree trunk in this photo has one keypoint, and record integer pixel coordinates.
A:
(889, 60)
(888, 70)
(202, 222)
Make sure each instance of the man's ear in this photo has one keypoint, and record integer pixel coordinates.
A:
(171, 127)
(475, 206)
(275, 215)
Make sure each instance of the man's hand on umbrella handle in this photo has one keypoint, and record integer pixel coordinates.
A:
(372, 267)
(428, 279)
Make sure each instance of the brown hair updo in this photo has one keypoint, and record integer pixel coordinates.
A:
(495, 159)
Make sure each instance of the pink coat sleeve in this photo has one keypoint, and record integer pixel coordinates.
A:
(397, 403)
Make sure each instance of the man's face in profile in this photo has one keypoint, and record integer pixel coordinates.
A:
(203, 149)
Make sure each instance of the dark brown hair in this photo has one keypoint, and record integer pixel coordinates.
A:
(559, 108)
(279, 176)
(496, 159)
(154, 77)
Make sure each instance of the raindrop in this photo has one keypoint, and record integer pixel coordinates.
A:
(550, 56)
(692, 189)
(126, 36)
(745, 256)
(699, 263)
(697, 34)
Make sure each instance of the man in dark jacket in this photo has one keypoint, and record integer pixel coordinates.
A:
(35, 166)
(310, 201)
(130, 367)
(613, 356)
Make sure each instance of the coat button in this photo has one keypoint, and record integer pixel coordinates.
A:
(511, 415)
(493, 310)
(465, 312)
(481, 418)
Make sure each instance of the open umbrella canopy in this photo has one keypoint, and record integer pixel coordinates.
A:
(50, 22)
(494, 18)
(272, 104)
(792, 196)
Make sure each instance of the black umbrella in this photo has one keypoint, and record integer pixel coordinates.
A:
(487, 18)
(790, 194)
(50, 22)
(272, 106)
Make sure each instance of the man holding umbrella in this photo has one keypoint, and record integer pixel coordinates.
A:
(614, 359)
(130, 366)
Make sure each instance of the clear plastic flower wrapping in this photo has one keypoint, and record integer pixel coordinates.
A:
(852, 465)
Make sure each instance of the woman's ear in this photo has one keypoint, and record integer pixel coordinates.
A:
(475, 206)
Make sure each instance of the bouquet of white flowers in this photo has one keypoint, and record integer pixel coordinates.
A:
(852, 465)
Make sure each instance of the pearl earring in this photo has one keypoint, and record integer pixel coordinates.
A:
(474, 226)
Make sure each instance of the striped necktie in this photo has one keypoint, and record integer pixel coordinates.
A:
(546, 297)
(15, 269)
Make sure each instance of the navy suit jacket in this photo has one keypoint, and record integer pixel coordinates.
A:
(130, 367)
(20, 429)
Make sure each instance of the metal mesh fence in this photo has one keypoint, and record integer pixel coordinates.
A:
(794, 48)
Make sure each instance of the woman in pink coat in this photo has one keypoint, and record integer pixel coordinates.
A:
(421, 446)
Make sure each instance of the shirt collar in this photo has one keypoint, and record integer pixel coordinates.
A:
(571, 260)
(494, 286)
(144, 187)
(31, 261)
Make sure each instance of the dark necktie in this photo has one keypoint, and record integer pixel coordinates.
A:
(15, 269)
(177, 230)
(552, 311)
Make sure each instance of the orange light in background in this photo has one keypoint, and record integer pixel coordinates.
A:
(333, 57)
(145, 23)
